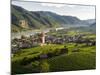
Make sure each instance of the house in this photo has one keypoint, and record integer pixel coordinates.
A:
(43, 56)
(64, 50)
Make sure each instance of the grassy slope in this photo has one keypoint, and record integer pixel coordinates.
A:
(84, 59)
(74, 61)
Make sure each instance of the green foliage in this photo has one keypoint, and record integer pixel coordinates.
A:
(44, 66)
(84, 59)
(73, 61)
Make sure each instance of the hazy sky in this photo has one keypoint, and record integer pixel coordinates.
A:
(80, 11)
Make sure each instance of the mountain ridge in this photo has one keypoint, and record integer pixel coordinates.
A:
(40, 19)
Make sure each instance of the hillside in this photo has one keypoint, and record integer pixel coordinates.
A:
(90, 21)
(84, 59)
(40, 19)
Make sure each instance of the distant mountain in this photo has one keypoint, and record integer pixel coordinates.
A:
(24, 19)
(93, 25)
(89, 21)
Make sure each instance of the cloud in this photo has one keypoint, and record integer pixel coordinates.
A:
(72, 6)
(52, 5)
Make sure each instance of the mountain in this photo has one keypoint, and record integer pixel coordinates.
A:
(90, 21)
(24, 19)
(93, 25)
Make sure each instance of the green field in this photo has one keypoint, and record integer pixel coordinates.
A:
(83, 59)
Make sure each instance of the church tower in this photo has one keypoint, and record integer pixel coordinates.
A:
(42, 38)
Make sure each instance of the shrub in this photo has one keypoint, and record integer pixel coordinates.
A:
(44, 66)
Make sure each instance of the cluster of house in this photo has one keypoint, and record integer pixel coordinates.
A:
(28, 42)
(69, 39)
(23, 42)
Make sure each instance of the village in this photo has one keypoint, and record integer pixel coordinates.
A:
(43, 38)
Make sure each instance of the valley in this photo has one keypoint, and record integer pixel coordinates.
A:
(45, 41)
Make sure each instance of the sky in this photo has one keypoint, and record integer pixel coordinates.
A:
(83, 12)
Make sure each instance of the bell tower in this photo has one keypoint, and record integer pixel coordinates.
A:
(42, 38)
